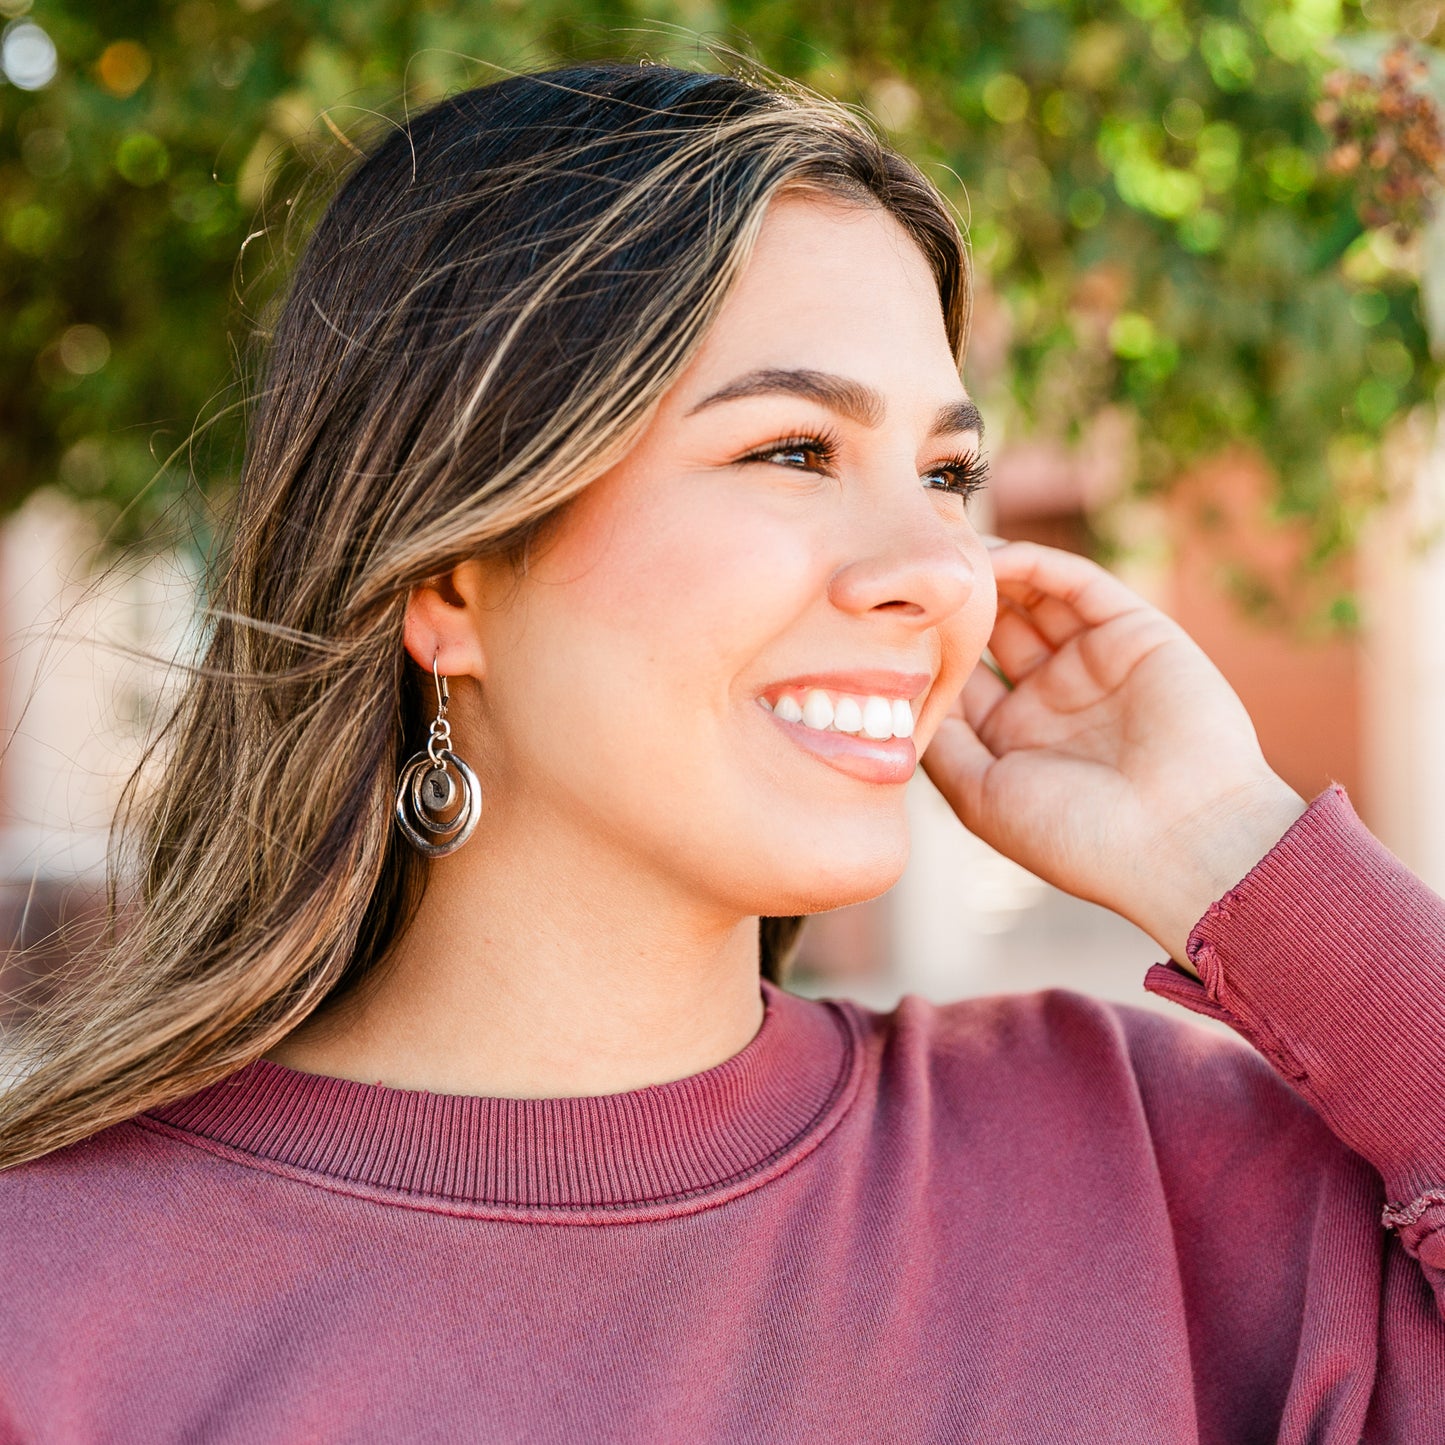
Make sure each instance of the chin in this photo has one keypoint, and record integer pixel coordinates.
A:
(830, 881)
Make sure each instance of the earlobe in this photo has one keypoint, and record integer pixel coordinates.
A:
(440, 626)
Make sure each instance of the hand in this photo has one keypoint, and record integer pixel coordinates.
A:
(1120, 766)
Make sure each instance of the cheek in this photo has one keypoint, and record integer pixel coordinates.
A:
(640, 618)
(684, 591)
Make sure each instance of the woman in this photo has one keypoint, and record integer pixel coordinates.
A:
(603, 563)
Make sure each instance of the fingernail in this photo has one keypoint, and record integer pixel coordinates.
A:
(990, 541)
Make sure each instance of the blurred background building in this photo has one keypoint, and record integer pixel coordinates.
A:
(1209, 313)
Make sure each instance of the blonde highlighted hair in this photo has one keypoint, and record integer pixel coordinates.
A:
(483, 320)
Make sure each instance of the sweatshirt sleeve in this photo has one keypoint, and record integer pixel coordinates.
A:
(1329, 958)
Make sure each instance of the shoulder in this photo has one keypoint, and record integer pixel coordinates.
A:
(72, 1192)
(95, 1212)
(1051, 1031)
(78, 1171)
(1057, 1056)
(66, 1220)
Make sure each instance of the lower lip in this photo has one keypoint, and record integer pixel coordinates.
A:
(892, 761)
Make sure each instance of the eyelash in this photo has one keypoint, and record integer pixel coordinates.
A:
(970, 469)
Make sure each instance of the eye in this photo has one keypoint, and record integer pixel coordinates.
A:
(825, 448)
(964, 475)
(967, 475)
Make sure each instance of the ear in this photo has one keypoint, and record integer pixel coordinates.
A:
(441, 621)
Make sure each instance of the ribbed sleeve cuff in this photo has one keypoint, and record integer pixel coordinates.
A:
(1329, 957)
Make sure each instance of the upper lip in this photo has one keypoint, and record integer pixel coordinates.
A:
(865, 682)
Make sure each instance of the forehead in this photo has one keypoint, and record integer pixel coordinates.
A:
(810, 246)
(832, 286)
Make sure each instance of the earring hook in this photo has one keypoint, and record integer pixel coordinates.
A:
(441, 684)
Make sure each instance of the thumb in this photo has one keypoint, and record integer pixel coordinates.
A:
(957, 764)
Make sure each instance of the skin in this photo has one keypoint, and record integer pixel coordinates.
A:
(598, 933)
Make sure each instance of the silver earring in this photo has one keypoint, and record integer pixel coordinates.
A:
(427, 807)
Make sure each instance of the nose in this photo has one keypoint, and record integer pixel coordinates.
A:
(911, 563)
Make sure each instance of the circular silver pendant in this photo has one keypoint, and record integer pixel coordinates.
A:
(434, 809)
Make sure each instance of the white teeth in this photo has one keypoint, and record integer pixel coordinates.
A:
(875, 717)
(818, 710)
(847, 716)
(878, 718)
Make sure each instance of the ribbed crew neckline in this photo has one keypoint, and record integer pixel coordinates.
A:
(664, 1149)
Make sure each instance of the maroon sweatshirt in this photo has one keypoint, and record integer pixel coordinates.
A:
(1037, 1218)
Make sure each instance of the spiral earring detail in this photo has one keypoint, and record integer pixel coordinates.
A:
(435, 810)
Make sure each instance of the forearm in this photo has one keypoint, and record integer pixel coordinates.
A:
(1329, 957)
(1200, 861)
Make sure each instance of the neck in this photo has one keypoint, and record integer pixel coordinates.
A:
(520, 979)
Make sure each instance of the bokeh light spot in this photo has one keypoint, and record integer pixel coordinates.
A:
(1132, 335)
(1183, 118)
(27, 55)
(142, 158)
(1006, 98)
(123, 67)
(1370, 307)
(84, 349)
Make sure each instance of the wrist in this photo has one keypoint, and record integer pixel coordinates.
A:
(1213, 851)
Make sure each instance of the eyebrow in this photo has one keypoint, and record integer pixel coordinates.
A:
(852, 399)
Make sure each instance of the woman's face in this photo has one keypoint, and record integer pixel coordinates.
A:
(642, 682)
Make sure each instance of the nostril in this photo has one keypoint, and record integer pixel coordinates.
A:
(910, 609)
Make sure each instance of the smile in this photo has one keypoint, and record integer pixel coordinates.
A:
(861, 726)
(872, 716)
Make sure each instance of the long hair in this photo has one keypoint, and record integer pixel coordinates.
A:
(482, 322)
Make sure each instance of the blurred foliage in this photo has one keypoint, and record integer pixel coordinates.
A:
(1387, 133)
(1154, 216)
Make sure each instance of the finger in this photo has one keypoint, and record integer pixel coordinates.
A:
(983, 692)
(957, 763)
(1055, 621)
(1017, 644)
(1094, 594)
